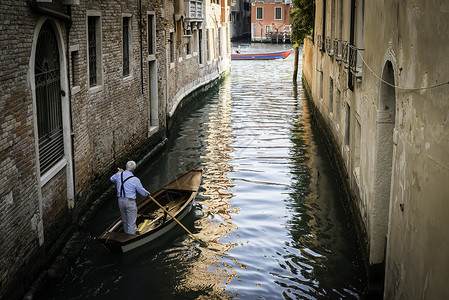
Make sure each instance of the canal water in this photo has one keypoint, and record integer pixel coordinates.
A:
(268, 207)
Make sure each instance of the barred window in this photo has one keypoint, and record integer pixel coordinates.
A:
(94, 45)
(151, 34)
(278, 13)
(172, 47)
(126, 43)
(200, 46)
(259, 13)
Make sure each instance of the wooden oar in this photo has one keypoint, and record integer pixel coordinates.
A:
(180, 224)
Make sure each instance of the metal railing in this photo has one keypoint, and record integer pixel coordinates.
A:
(319, 41)
(345, 52)
(329, 46)
(337, 49)
(355, 69)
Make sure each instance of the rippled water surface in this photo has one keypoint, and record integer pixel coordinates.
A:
(268, 206)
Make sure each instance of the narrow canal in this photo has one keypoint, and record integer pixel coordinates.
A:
(268, 206)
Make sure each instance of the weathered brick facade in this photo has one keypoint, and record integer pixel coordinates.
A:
(103, 125)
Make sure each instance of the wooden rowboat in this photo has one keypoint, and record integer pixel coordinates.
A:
(152, 222)
(275, 55)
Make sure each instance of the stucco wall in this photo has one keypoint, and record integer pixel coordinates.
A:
(396, 145)
(307, 61)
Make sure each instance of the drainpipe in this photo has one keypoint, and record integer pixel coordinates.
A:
(141, 47)
(69, 87)
(45, 11)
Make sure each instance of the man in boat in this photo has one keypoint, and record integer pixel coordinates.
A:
(238, 51)
(128, 186)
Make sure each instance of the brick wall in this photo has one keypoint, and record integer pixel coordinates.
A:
(18, 194)
(110, 123)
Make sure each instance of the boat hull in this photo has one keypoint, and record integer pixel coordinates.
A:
(261, 56)
(148, 238)
(152, 222)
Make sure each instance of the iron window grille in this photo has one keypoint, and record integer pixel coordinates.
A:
(345, 52)
(126, 23)
(48, 99)
(319, 39)
(92, 39)
(329, 48)
(337, 49)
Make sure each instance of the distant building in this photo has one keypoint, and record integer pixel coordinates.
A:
(378, 75)
(270, 20)
(240, 19)
(85, 86)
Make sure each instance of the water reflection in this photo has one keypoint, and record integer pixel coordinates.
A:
(268, 206)
(209, 273)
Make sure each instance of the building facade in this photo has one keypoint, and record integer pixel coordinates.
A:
(377, 72)
(270, 20)
(87, 85)
(240, 19)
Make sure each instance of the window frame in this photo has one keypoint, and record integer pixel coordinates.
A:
(200, 46)
(171, 48)
(280, 13)
(151, 33)
(257, 12)
(129, 44)
(98, 52)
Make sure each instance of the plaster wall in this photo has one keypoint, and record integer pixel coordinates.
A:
(395, 154)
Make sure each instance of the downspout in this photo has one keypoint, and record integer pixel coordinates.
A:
(141, 50)
(323, 45)
(72, 134)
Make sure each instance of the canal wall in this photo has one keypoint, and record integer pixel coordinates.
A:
(87, 85)
(357, 229)
(380, 85)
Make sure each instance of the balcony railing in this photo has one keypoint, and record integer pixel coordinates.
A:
(337, 49)
(355, 69)
(329, 46)
(345, 52)
(319, 41)
(193, 9)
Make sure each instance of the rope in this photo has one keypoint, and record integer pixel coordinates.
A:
(396, 86)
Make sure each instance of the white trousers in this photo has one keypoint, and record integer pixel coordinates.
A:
(128, 211)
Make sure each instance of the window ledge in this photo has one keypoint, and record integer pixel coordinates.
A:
(76, 89)
(151, 57)
(96, 89)
(152, 130)
(128, 77)
(53, 171)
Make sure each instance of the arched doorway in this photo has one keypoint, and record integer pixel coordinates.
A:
(47, 78)
(49, 88)
(386, 113)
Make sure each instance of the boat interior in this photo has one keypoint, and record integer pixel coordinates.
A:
(150, 215)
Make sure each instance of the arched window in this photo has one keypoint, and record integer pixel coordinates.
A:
(48, 98)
